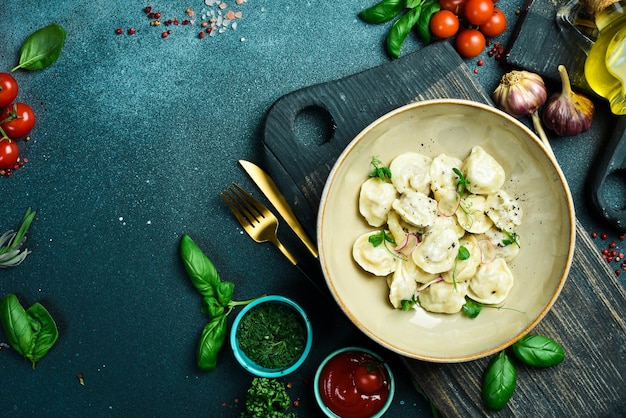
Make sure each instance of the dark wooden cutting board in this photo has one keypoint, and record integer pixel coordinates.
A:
(588, 318)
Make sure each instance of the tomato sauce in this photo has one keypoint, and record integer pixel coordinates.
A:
(339, 390)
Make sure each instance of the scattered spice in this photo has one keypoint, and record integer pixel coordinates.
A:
(217, 15)
(80, 378)
(611, 251)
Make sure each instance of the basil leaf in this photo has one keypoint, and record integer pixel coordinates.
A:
(471, 308)
(46, 332)
(499, 382)
(399, 31)
(42, 48)
(411, 4)
(212, 307)
(383, 11)
(200, 269)
(538, 351)
(423, 24)
(225, 292)
(16, 324)
(211, 341)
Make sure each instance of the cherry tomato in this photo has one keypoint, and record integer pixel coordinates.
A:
(455, 6)
(495, 25)
(8, 89)
(478, 12)
(17, 120)
(9, 153)
(444, 24)
(470, 43)
(368, 379)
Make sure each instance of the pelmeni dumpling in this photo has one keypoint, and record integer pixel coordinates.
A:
(484, 173)
(399, 228)
(416, 208)
(411, 171)
(464, 270)
(449, 222)
(402, 284)
(443, 297)
(376, 260)
(442, 177)
(504, 211)
(375, 200)
(492, 282)
(437, 251)
(503, 247)
(471, 214)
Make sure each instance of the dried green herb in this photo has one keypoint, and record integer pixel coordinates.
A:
(272, 335)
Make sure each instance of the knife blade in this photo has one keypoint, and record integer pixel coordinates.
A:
(265, 183)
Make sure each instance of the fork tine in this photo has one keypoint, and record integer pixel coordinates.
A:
(235, 209)
(251, 203)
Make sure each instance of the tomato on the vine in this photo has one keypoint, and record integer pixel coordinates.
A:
(444, 24)
(478, 12)
(455, 6)
(470, 43)
(495, 25)
(368, 379)
(9, 153)
(17, 120)
(8, 89)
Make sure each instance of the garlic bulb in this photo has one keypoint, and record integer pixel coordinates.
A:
(520, 93)
(568, 113)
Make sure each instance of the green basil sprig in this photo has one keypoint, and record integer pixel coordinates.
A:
(499, 382)
(31, 332)
(417, 14)
(217, 301)
(383, 12)
(42, 48)
(538, 351)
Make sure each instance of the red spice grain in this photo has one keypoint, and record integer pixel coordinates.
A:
(165, 34)
(131, 31)
(147, 9)
(201, 35)
(119, 31)
(594, 235)
(604, 235)
(480, 63)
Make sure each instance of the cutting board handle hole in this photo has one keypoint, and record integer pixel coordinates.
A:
(314, 126)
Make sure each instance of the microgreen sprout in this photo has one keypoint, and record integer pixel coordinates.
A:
(407, 304)
(380, 237)
(461, 185)
(463, 254)
(471, 308)
(380, 170)
(511, 238)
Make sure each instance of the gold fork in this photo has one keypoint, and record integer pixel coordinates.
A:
(257, 220)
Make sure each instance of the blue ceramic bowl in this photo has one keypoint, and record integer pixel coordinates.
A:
(318, 396)
(255, 368)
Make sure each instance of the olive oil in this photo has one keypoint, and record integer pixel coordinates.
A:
(605, 66)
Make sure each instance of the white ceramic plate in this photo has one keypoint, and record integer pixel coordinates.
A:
(547, 233)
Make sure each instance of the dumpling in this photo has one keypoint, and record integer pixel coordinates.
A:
(411, 171)
(437, 251)
(442, 178)
(399, 228)
(402, 284)
(416, 208)
(492, 282)
(464, 270)
(443, 297)
(376, 260)
(504, 211)
(503, 247)
(484, 173)
(375, 200)
(449, 222)
(471, 214)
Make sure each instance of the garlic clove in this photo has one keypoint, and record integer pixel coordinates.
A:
(568, 113)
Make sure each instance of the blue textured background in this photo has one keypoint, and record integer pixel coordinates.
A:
(136, 137)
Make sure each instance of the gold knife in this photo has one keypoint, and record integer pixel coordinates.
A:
(265, 183)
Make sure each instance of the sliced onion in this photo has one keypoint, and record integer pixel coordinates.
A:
(487, 251)
(408, 246)
(448, 205)
(424, 286)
